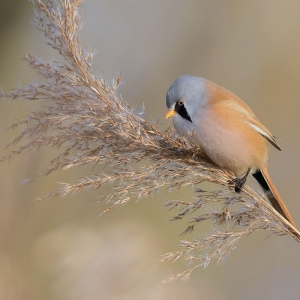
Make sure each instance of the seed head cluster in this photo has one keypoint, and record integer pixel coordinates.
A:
(90, 124)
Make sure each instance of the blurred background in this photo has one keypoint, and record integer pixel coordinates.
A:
(57, 248)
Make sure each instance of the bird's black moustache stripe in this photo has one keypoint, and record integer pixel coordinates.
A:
(181, 110)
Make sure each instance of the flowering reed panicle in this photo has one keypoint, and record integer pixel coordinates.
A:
(89, 123)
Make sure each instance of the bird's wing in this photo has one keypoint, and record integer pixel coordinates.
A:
(256, 125)
(222, 97)
(250, 118)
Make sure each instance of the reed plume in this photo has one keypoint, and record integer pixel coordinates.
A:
(89, 123)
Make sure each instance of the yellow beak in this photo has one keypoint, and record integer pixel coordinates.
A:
(170, 113)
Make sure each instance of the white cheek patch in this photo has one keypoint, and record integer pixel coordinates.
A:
(183, 126)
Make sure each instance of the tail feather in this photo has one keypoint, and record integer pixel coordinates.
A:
(263, 178)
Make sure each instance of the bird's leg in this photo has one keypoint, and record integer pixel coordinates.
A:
(240, 182)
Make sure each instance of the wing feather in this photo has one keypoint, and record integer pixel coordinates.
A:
(257, 126)
(253, 121)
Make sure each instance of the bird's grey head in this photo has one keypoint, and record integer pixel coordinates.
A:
(186, 94)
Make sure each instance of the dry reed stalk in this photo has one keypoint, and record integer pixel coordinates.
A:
(90, 124)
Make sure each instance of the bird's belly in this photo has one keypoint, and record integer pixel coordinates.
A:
(233, 146)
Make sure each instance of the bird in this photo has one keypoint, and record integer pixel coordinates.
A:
(227, 130)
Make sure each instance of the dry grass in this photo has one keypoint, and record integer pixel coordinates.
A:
(90, 124)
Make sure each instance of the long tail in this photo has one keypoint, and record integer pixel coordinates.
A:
(263, 178)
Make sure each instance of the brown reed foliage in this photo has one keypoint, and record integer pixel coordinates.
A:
(89, 124)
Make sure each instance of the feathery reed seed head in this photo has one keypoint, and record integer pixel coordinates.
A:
(90, 124)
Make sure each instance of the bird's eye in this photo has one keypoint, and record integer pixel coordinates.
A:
(180, 102)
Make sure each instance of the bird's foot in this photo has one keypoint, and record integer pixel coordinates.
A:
(240, 182)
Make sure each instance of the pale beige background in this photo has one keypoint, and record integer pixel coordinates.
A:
(57, 248)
